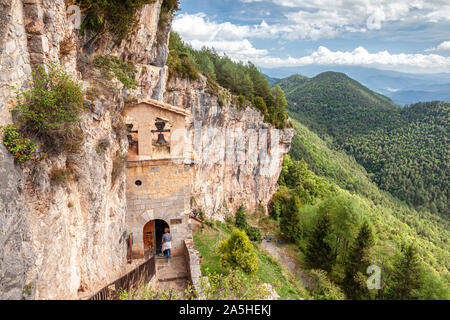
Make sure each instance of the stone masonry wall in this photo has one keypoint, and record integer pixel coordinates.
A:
(164, 194)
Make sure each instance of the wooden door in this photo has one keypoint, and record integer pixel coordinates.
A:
(149, 236)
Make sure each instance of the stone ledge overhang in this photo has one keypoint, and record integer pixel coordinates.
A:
(162, 105)
(156, 162)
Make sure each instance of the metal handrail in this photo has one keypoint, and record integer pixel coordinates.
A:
(112, 291)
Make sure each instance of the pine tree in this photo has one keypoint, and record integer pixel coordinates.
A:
(290, 224)
(318, 253)
(354, 285)
(407, 275)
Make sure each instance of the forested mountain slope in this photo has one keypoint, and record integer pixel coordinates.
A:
(349, 193)
(404, 150)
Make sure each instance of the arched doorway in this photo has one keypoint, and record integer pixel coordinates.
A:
(153, 232)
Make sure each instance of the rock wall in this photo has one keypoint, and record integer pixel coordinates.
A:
(64, 240)
(16, 254)
(237, 155)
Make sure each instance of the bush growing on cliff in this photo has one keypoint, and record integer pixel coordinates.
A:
(178, 61)
(20, 146)
(53, 101)
(118, 16)
(168, 7)
(50, 108)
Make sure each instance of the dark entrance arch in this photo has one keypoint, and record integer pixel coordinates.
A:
(152, 233)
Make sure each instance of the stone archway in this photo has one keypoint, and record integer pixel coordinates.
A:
(152, 235)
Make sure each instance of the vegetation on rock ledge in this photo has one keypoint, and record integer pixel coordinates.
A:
(111, 67)
(244, 81)
(50, 109)
(17, 144)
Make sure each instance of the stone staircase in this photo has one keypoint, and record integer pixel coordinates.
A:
(171, 274)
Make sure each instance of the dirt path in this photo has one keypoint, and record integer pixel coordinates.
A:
(281, 255)
(278, 252)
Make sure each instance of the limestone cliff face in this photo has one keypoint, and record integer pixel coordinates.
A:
(62, 240)
(59, 240)
(237, 155)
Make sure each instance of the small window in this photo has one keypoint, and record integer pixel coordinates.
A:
(138, 183)
(176, 221)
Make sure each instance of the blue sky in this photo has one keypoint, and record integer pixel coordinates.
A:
(400, 35)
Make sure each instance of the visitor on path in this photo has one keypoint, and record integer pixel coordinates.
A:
(167, 242)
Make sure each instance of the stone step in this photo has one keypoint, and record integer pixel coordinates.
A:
(171, 276)
(171, 257)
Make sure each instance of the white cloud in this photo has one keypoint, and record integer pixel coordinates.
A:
(233, 40)
(239, 50)
(227, 38)
(444, 46)
(417, 63)
(327, 18)
(198, 26)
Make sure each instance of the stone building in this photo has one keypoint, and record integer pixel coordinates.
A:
(158, 180)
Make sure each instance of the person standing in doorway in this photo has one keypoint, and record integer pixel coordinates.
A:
(167, 242)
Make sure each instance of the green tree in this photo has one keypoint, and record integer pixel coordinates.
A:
(354, 283)
(324, 288)
(241, 218)
(319, 254)
(407, 275)
(345, 218)
(278, 112)
(279, 98)
(290, 225)
(237, 252)
(275, 213)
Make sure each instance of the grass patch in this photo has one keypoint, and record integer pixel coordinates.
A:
(59, 175)
(111, 66)
(269, 271)
(102, 146)
(118, 166)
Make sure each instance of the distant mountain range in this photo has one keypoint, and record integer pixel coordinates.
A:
(402, 88)
(404, 150)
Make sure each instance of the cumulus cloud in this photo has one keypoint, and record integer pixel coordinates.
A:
(444, 46)
(327, 18)
(198, 26)
(200, 31)
(417, 63)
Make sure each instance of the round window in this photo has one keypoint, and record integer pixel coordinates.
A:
(138, 183)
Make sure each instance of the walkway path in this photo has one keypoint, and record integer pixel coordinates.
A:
(273, 248)
(280, 253)
(171, 274)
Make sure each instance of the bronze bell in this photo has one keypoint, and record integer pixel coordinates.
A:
(161, 139)
(160, 126)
